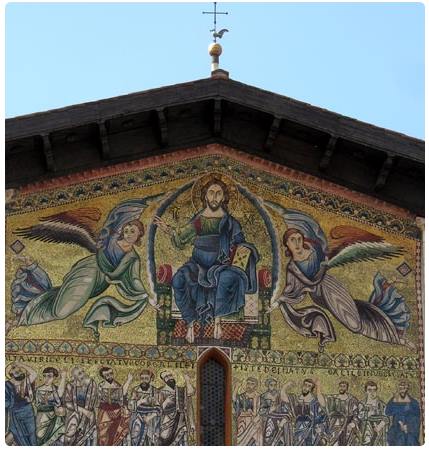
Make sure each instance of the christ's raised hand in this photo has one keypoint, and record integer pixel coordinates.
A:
(162, 225)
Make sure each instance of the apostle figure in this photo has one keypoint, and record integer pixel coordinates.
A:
(246, 409)
(80, 399)
(222, 268)
(177, 414)
(309, 413)
(404, 412)
(146, 411)
(343, 409)
(270, 399)
(113, 415)
(20, 420)
(374, 422)
(50, 412)
(277, 418)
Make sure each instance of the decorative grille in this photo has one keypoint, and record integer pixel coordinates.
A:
(212, 403)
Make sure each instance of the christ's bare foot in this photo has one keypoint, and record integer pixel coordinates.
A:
(217, 334)
(190, 336)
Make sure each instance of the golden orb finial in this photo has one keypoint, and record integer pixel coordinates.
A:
(215, 49)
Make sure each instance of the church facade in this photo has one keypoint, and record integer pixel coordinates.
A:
(210, 263)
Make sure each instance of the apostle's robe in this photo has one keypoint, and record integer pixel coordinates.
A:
(249, 423)
(177, 418)
(372, 415)
(113, 416)
(277, 420)
(80, 422)
(20, 420)
(50, 426)
(343, 415)
(145, 416)
(403, 414)
(310, 419)
(210, 284)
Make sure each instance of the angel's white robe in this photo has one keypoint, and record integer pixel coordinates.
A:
(384, 317)
(88, 278)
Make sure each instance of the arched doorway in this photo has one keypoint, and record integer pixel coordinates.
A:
(214, 398)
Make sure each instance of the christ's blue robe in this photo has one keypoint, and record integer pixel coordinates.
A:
(208, 286)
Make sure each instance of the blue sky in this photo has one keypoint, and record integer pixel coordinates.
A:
(364, 60)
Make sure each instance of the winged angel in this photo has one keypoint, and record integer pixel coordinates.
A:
(113, 261)
(384, 317)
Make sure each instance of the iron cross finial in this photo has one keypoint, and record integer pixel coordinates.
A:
(215, 12)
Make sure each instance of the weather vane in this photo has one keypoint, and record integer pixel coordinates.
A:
(216, 34)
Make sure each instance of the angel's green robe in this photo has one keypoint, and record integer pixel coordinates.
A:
(87, 279)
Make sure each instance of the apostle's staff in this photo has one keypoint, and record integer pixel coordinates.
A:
(87, 435)
(373, 437)
(354, 433)
(280, 431)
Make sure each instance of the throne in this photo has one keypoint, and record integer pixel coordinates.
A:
(249, 328)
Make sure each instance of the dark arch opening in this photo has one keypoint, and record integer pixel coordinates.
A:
(214, 399)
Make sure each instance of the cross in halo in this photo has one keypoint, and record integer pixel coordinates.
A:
(215, 12)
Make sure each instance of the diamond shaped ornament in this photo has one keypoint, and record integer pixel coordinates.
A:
(404, 269)
(17, 247)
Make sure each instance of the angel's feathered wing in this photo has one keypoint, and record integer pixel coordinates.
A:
(308, 226)
(76, 226)
(365, 251)
(80, 226)
(342, 236)
(350, 244)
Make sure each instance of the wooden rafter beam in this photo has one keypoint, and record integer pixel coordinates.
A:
(48, 153)
(217, 117)
(272, 133)
(384, 172)
(327, 155)
(104, 140)
(163, 126)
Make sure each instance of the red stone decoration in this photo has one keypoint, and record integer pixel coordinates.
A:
(264, 278)
(164, 274)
